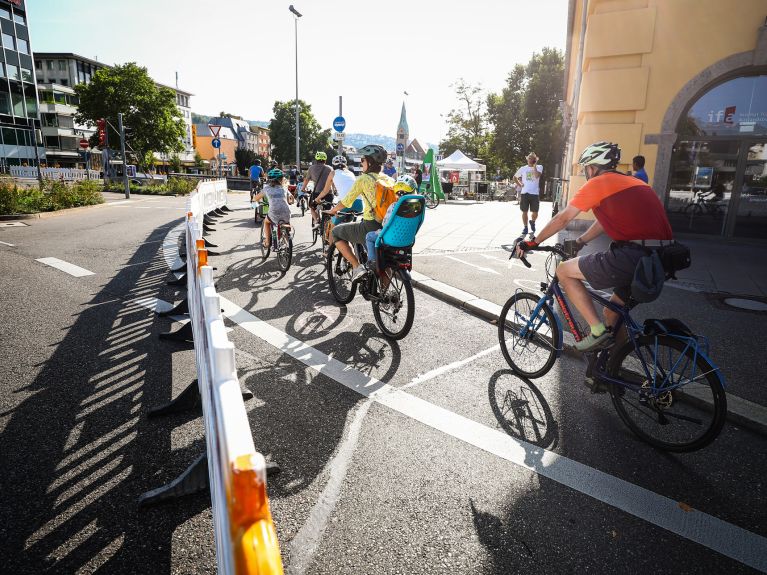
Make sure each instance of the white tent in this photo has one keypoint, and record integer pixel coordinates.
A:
(459, 161)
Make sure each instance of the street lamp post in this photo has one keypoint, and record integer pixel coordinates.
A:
(296, 16)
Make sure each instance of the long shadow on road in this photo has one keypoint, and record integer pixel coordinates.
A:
(78, 452)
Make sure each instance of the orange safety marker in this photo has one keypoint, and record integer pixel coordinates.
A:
(256, 549)
(189, 215)
(202, 259)
(200, 244)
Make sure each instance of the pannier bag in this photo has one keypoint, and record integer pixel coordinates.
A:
(675, 257)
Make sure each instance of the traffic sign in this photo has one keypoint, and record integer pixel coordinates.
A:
(214, 130)
(338, 135)
(339, 124)
(216, 143)
(400, 148)
(84, 143)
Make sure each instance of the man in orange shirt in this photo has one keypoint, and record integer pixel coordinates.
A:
(630, 213)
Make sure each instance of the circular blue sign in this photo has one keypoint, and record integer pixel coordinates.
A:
(400, 148)
(216, 143)
(339, 124)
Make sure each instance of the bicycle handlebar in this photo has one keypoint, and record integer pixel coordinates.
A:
(556, 249)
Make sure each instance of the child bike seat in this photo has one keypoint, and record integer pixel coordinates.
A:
(404, 223)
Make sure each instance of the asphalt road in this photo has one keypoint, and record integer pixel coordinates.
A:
(452, 465)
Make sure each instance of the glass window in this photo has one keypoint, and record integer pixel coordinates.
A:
(23, 46)
(49, 120)
(31, 100)
(738, 106)
(2, 70)
(39, 64)
(5, 14)
(49, 64)
(5, 103)
(9, 137)
(64, 82)
(62, 65)
(17, 100)
(13, 72)
(8, 42)
(52, 142)
(18, 18)
(26, 75)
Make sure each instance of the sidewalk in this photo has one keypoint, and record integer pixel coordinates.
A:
(458, 259)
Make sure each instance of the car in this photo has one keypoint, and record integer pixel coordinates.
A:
(145, 179)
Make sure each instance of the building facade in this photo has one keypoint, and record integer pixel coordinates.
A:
(18, 90)
(684, 84)
(253, 138)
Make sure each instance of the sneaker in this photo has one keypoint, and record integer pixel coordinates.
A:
(591, 342)
(524, 231)
(358, 273)
(532, 225)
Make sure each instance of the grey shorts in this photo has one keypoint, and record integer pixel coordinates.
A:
(355, 232)
(529, 202)
(612, 269)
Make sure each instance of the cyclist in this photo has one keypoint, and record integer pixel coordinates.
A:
(630, 213)
(317, 175)
(405, 185)
(256, 173)
(278, 198)
(373, 157)
(293, 175)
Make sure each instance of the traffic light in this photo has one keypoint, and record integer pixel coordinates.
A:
(194, 136)
(102, 130)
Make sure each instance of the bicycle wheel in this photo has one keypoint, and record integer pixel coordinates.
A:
(264, 250)
(684, 409)
(284, 249)
(529, 343)
(432, 201)
(693, 210)
(394, 321)
(339, 276)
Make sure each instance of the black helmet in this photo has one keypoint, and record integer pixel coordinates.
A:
(257, 162)
(375, 152)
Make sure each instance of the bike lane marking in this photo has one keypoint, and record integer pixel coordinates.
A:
(488, 270)
(718, 535)
(66, 267)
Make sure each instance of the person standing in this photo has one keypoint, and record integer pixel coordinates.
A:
(528, 178)
(418, 176)
(637, 165)
(390, 170)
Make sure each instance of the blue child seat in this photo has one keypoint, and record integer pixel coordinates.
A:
(404, 223)
(357, 206)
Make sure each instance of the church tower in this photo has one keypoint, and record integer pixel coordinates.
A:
(402, 136)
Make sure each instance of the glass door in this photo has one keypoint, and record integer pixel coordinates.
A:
(751, 212)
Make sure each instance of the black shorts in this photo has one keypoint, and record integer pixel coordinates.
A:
(529, 202)
(327, 201)
(613, 268)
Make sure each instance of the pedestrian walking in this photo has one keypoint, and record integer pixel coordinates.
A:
(528, 178)
(637, 164)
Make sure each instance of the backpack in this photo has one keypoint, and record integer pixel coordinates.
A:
(385, 196)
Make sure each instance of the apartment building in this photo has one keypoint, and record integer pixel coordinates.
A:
(254, 138)
(18, 91)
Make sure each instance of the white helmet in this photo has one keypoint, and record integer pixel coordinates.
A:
(602, 154)
(338, 161)
(405, 185)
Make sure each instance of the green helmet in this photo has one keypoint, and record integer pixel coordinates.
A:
(275, 174)
(321, 156)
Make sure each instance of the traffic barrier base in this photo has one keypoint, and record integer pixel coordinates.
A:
(184, 334)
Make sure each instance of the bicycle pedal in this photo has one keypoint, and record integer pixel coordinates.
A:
(595, 385)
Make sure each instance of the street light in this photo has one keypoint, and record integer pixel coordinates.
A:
(296, 16)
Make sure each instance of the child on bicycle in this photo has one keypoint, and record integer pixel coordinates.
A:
(279, 198)
(403, 186)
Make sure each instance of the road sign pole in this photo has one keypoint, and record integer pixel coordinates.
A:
(125, 159)
(340, 113)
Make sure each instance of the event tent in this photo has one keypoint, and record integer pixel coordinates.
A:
(459, 161)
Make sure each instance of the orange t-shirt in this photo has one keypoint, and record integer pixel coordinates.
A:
(626, 207)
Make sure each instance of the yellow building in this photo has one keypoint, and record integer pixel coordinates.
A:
(684, 84)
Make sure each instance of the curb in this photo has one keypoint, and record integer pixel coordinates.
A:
(45, 215)
(740, 411)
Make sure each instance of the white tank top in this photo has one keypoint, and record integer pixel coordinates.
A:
(343, 180)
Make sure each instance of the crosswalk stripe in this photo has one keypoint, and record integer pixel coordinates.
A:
(66, 267)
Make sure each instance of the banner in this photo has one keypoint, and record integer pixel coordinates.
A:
(430, 179)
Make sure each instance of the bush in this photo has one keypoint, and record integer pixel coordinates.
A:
(50, 196)
(174, 186)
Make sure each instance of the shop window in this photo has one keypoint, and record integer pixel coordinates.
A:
(736, 107)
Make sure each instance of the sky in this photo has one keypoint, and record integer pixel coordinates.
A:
(238, 56)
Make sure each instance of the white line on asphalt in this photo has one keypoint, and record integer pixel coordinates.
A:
(488, 270)
(7, 244)
(697, 526)
(119, 203)
(71, 269)
(449, 367)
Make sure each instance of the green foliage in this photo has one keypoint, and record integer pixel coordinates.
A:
(52, 195)
(467, 125)
(282, 132)
(174, 162)
(244, 159)
(175, 186)
(152, 121)
(199, 162)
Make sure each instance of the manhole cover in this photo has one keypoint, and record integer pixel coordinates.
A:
(12, 225)
(748, 304)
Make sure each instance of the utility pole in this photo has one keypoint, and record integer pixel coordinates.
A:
(125, 158)
(296, 16)
(341, 134)
(37, 153)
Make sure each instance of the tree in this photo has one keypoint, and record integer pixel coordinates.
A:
(244, 159)
(467, 125)
(526, 116)
(174, 163)
(152, 121)
(282, 132)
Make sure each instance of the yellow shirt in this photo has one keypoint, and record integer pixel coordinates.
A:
(365, 186)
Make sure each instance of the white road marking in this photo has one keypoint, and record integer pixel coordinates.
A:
(71, 269)
(487, 270)
(697, 526)
(13, 225)
(449, 367)
(7, 244)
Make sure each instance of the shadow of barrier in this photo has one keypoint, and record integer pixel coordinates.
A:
(245, 536)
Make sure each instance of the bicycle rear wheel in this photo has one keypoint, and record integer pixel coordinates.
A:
(678, 404)
(284, 249)
(394, 321)
(264, 250)
(528, 342)
(432, 201)
(339, 276)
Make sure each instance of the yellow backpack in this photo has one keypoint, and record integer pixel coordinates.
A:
(385, 196)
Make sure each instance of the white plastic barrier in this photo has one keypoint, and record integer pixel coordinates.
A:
(66, 174)
(246, 540)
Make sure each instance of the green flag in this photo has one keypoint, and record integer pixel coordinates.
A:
(430, 181)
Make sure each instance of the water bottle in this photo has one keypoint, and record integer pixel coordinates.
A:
(274, 236)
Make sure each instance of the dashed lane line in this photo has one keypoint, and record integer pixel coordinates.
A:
(66, 267)
(486, 270)
(7, 244)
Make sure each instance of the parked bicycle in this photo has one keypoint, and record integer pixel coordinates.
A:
(432, 200)
(662, 382)
(281, 244)
(705, 203)
(387, 287)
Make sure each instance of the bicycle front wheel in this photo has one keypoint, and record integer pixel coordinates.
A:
(264, 249)
(339, 276)
(528, 339)
(432, 201)
(676, 400)
(284, 250)
(395, 310)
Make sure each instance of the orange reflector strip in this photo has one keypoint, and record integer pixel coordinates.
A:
(202, 259)
(200, 244)
(257, 550)
(189, 215)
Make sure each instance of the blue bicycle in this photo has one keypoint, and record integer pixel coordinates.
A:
(662, 383)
